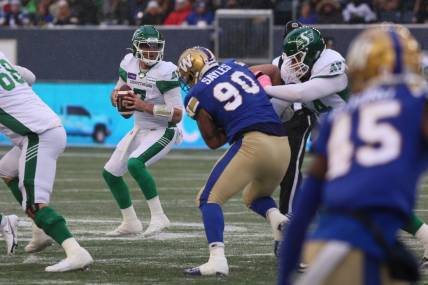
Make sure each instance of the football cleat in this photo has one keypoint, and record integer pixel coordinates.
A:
(157, 224)
(10, 233)
(280, 231)
(80, 260)
(39, 241)
(214, 267)
(127, 228)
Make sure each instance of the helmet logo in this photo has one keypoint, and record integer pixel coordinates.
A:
(186, 63)
(305, 39)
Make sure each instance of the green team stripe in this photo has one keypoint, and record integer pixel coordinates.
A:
(157, 146)
(166, 85)
(30, 167)
(13, 124)
(123, 74)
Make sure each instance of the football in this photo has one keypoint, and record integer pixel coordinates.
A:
(122, 106)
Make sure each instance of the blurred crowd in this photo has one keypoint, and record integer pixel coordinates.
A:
(201, 12)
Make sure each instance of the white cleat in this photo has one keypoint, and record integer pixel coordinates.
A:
(157, 224)
(80, 260)
(10, 233)
(278, 232)
(39, 241)
(215, 266)
(127, 228)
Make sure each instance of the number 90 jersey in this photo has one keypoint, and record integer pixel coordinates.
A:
(235, 100)
(21, 111)
(375, 148)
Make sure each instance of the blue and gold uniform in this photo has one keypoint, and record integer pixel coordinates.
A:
(259, 152)
(237, 103)
(373, 151)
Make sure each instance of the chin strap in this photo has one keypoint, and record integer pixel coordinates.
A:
(163, 111)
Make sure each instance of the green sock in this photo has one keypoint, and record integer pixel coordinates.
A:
(413, 225)
(13, 186)
(52, 224)
(143, 177)
(119, 189)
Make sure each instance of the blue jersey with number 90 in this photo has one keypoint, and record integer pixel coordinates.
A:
(375, 149)
(237, 103)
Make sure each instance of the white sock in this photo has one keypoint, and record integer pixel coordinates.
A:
(70, 245)
(128, 214)
(216, 249)
(155, 206)
(422, 236)
(275, 218)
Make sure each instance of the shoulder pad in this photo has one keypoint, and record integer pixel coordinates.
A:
(276, 60)
(166, 70)
(330, 64)
(127, 59)
(166, 76)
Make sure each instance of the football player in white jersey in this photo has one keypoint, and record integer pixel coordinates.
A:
(38, 132)
(9, 165)
(156, 98)
(298, 120)
(318, 73)
(312, 76)
(317, 78)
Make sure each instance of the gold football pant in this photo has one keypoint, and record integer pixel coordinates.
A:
(254, 164)
(337, 263)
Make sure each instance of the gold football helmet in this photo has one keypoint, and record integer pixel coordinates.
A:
(193, 64)
(381, 51)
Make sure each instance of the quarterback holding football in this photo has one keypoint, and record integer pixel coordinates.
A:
(151, 93)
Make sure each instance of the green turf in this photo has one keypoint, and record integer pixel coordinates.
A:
(81, 196)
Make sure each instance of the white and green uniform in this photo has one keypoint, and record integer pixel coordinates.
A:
(326, 88)
(35, 128)
(152, 137)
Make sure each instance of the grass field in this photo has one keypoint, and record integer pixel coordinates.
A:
(82, 197)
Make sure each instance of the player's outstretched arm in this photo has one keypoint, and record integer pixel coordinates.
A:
(310, 90)
(270, 70)
(213, 136)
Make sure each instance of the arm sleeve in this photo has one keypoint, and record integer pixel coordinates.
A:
(307, 203)
(26, 74)
(192, 105)
(173, 98)
(310, 90)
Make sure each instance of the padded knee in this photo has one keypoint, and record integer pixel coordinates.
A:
(135, 166)
(110, 178)
(45, 218)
